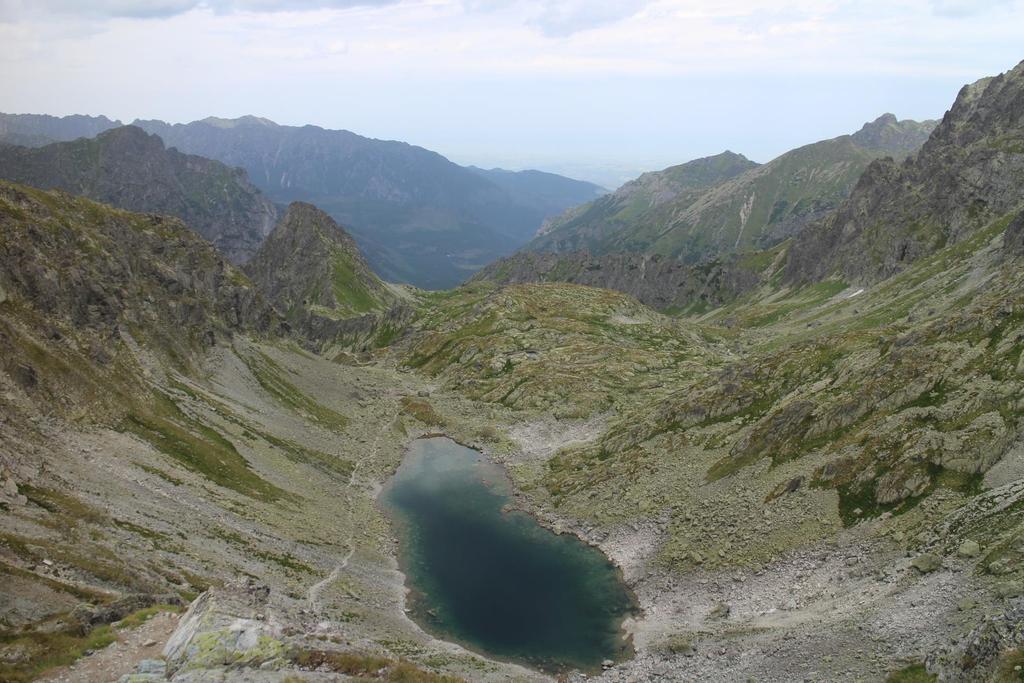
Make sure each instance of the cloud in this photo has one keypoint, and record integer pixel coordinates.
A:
(965, 8)
(565, 17)
(159, 9)
(561, 18)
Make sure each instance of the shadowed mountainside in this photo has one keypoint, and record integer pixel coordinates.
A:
(36, 130)
(310, 261)
(130, 169)
(969, 172)
(418, 217)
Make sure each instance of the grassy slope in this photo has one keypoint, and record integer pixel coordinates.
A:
(816, 407)
(737, 214)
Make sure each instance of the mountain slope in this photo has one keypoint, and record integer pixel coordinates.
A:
(310, 262)
(36, 130)
(661, 282)
(816, 477)
(860, 444)
(547, 193)
(736, 212)
(969, 172)
(622, 221)
(161, 440)
(84, 283)
(131, 169)
(418, 217)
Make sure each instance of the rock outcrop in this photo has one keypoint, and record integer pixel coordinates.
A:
(661, 282)
(969, 173)
(977, 656)
(130, 169)
(1013, 240)
(228, 627)
(309, 261)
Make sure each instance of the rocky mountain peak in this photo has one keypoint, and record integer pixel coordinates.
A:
(969, 173)
(130, 139)
(310, 262)
(131, 169)
(704, 171)
(304, 223)
(247, 120)
(888, 134)
(988, 107)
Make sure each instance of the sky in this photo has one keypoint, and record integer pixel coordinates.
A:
(599, 89)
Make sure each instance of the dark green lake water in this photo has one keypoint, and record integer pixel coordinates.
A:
(495, 580)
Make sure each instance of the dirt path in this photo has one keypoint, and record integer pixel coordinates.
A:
(117, 659)
(313, 595)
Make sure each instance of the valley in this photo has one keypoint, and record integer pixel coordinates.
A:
(795, 462)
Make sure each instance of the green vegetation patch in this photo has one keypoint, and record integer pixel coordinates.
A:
(198, 447)
(1011, 666)
(857, 500)
(140, 617)
(324, 462)
(423, 411)
(42, 651)
(64, 505)
(915, 673)
(367, 667)
(349, 289)
(271, 377)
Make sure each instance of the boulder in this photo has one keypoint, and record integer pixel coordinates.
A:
(223, 627)
(720, 611)
(926, 563)
(976, 656)
(969, 548)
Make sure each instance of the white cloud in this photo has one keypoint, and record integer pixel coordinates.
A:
(565, 17)
(426, 69)
(966, 8)
(155, 9)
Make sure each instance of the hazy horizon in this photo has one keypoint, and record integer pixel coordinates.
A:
(595, 90)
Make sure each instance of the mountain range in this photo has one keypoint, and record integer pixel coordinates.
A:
(807, 464)
(726, 203)
(419, 218)
(131, 169)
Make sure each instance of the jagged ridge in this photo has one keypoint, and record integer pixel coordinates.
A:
(745, 206)
(132, 170)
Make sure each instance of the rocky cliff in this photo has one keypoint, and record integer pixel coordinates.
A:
(83, 285)
(969, 173)
(132, 170)
(661, 282)
(310, 261)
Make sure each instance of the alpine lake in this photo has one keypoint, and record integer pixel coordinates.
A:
(493, 579)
